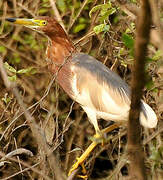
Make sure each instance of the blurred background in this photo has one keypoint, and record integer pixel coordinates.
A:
(104, 29)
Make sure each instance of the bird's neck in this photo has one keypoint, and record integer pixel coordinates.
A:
(59, 49)
(59, 54)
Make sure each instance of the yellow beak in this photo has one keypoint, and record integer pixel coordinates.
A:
(27, 22)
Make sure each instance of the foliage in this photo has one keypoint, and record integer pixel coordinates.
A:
(128, 42)
(105, 10)
(27, 71)
(108, 34)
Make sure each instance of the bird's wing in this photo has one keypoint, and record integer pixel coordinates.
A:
(98, 87)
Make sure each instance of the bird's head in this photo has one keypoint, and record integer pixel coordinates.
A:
(46, 25)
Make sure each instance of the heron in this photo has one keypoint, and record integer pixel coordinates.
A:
(100, 92)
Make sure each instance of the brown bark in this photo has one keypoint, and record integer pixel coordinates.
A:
(137, 167)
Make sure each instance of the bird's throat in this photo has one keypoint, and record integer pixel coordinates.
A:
(59, 50)
(59, 54)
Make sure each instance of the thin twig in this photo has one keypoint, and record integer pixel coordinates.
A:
(17, 152)
(37, 133)
(26, 169)
(76, 17)
(56, 12)
(26, 165)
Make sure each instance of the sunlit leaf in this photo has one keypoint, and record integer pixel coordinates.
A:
(108, 12)
(9, 68)
(157, 56)
(62, 5)
(104, 7)
(101, 28)
(29, 70)
(79, 27)
(12, 78)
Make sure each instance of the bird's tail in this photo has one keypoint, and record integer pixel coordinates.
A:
(148, 117)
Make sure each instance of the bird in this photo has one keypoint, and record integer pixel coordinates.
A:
(100, 92)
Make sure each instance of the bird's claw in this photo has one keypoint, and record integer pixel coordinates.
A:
(76, 165)
(83, 176)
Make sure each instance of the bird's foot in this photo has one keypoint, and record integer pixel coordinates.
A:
(82, 176)
(76, 165)
(81, 159)
(97, 138)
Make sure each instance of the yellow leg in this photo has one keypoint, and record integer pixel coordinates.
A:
(110, 128)
(83, 157)
(91, 147)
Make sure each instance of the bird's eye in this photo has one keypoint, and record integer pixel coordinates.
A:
(43, 23)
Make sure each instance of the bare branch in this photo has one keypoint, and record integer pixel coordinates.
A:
(56, 12)
(37, 133)
(17, 152)
(81, 9)
(134, 130)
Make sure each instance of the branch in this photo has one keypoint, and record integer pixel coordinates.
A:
(56, 12)
(132, 11)
(17, 152)
(36, 131)
(138, 81)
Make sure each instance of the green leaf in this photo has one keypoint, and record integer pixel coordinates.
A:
(43, 10)
(79, 27)
(16, 37)
(155, 154)
(62, 5)
(29, 70)
(149, 85)
(128, 41)
(102, 7)
(157, 56)
(17, 59)
(9, 68)
(44, 1)
(12, 78)
(107, 12)
(101, 28)
(83, 20)
(148, 59)
(2, 49)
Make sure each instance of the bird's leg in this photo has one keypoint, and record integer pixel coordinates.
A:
(98, 134)
(81, 159)
(110, 128)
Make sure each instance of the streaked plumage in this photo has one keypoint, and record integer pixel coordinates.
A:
(100, 92)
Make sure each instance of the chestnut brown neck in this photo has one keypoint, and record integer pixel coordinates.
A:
(59, 48)
(59, 54)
